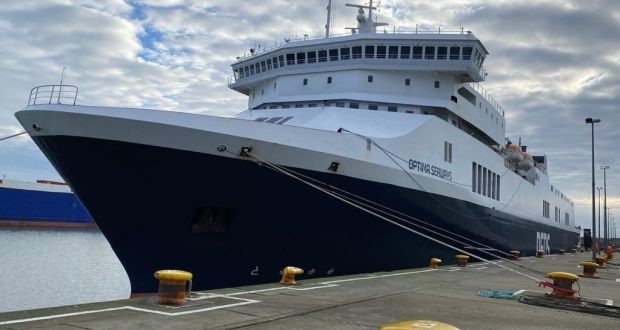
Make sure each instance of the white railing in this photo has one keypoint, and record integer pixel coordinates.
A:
(53, 94)
(483, 92)
(276, 44)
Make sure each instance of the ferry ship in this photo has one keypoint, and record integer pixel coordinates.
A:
(398, 119)
(45, 203)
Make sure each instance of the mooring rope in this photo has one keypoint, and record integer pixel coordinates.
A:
(371, 212)
(14, 135)
(389, 154)
(280, 168)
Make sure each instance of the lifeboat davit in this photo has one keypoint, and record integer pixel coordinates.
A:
(514, 153)
(527, 163)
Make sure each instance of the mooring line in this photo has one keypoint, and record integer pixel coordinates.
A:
(283, 169)
(364, 209)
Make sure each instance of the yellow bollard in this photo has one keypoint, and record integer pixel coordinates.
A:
(601, 260)
(540, 254)
(589, 269)
(563, 285)
(418, 325)
(461, 260)
(609, 252)
(288, 275)
(172, 285)
(434, 263)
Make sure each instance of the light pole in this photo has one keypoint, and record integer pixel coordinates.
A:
(599, 215)
(605, 241)
(593, 121)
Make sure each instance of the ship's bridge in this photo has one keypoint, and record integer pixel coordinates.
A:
(418, 73)
(460, 54)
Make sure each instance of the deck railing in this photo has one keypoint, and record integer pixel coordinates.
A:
(53, 94)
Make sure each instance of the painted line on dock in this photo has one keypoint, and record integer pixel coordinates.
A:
(243, 301)
(137, 309)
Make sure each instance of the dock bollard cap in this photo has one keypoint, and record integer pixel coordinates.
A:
(173, 274)
(418, 325)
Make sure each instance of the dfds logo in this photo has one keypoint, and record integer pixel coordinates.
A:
(542, 242)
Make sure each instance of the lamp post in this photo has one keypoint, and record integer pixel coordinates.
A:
(599, 215)
(605, 232)
(593, 121)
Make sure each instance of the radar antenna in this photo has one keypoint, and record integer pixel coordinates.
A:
(366, 24)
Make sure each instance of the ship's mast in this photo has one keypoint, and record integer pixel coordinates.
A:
(329, 18)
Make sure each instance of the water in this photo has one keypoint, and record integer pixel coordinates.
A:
(51, 267)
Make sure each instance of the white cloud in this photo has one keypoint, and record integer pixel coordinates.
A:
(552, 63)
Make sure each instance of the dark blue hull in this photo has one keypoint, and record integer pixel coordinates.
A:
(232, 222)
(23, 207)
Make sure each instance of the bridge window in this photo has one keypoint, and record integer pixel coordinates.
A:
(322, 56)
(263, 66)
(333, 54)
(370, 51)
(429, 53)
(340, 104)
(373, 106)
(417, 53)
(545, 209)
(436, 84)
(393, 52)
(269, 64)
(329, 80)
(370, 79)
(357, 52)
(405, 52)
(305, 81)
(251, 69)
(345, 53)
(381, 50)
(354, 105)
(392, 108)
(281, 58)
(299, 105)
(467, 53)
(442, 53)
(275, 62)
(407, 82)
(247, 71)
(311, 57)
(301, 58)
(257, 68)
(454, 53)
(290, 59)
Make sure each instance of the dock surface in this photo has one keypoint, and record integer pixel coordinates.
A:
(367, 301)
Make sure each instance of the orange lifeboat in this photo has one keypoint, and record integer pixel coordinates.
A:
(527, 163)
(514, 153)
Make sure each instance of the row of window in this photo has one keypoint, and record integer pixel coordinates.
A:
(358, 52)
(557, 215)
(339, 104)
(484, 181)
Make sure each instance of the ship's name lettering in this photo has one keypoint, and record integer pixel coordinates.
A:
(430, 169)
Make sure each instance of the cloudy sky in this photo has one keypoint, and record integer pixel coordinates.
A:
(552, 64)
